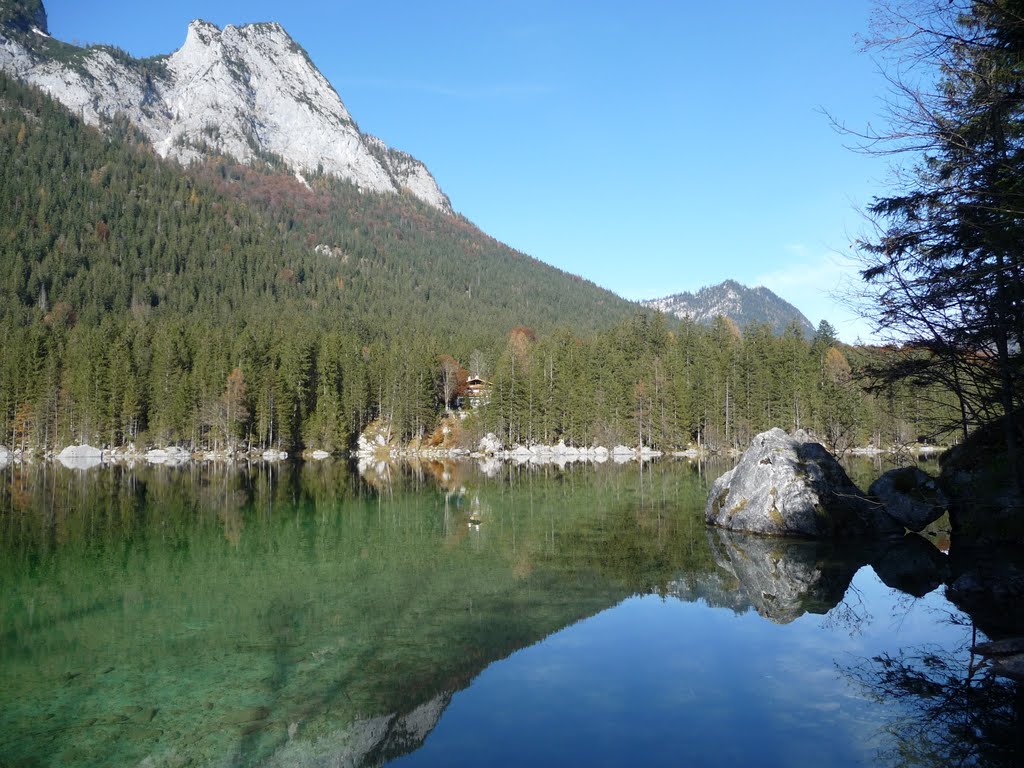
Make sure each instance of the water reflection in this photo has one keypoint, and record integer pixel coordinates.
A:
(949, 708)
(309, 614)
(215, 614)
(784, 579)
(911, 564)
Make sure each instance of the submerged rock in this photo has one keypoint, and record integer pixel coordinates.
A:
(911, 496)
(789, 485)
(1012, 646)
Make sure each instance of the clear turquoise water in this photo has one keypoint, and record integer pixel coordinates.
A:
(307, 616)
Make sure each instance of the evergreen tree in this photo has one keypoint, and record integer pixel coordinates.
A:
(945, 265)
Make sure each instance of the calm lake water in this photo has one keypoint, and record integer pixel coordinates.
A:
(309, 616)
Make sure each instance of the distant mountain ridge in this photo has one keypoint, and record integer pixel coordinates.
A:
(250, 92)
(743, 305)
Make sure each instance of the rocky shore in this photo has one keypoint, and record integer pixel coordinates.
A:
(376, 445)
(85, 456)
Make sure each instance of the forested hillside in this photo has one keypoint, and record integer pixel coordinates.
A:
(222, 304)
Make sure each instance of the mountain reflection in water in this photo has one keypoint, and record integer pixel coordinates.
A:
(304, 615)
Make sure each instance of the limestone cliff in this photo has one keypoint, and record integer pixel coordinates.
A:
(250, 92)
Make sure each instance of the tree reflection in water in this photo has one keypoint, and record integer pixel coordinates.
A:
(954, 710)
(949, 707)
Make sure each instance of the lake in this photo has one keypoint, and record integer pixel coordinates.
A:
(440, 614)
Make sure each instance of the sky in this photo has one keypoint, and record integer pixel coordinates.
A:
(651, 147)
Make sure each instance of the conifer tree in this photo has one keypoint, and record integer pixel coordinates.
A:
(944, 266)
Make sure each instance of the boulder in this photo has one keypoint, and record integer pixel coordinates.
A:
(789, 485)
(6, 457)
(172, 455)
(490, 444)
(80, 452)
(375, 442)
(80, 457)
(911, 496)
(985, 505)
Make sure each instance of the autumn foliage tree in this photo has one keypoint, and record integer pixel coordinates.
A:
(451, 380)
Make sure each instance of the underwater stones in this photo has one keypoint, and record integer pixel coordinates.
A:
(1007, 647)
(1006, 656)
(987, 582)
(247, 716)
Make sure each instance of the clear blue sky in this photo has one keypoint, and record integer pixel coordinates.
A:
(652, 147)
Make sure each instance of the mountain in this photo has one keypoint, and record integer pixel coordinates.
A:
(743, 305)
(129, 229)
(132, 286)
(271, 188)
(249, 92)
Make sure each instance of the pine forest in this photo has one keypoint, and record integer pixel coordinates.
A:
(228, 306)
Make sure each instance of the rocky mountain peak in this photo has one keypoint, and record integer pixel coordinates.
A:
(250, 92)
(200, 32)
(24, 15)
(736, 301)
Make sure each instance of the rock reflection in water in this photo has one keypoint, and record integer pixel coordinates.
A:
(782, 578)
(365, 742)
(910, 564)
(950, 705)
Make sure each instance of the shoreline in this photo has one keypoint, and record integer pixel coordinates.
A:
(86, 456)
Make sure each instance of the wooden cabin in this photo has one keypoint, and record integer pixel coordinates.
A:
(477, 392)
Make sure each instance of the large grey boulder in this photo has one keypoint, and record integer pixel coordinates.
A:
(80, 456)
(789, 485)
(911, 496)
